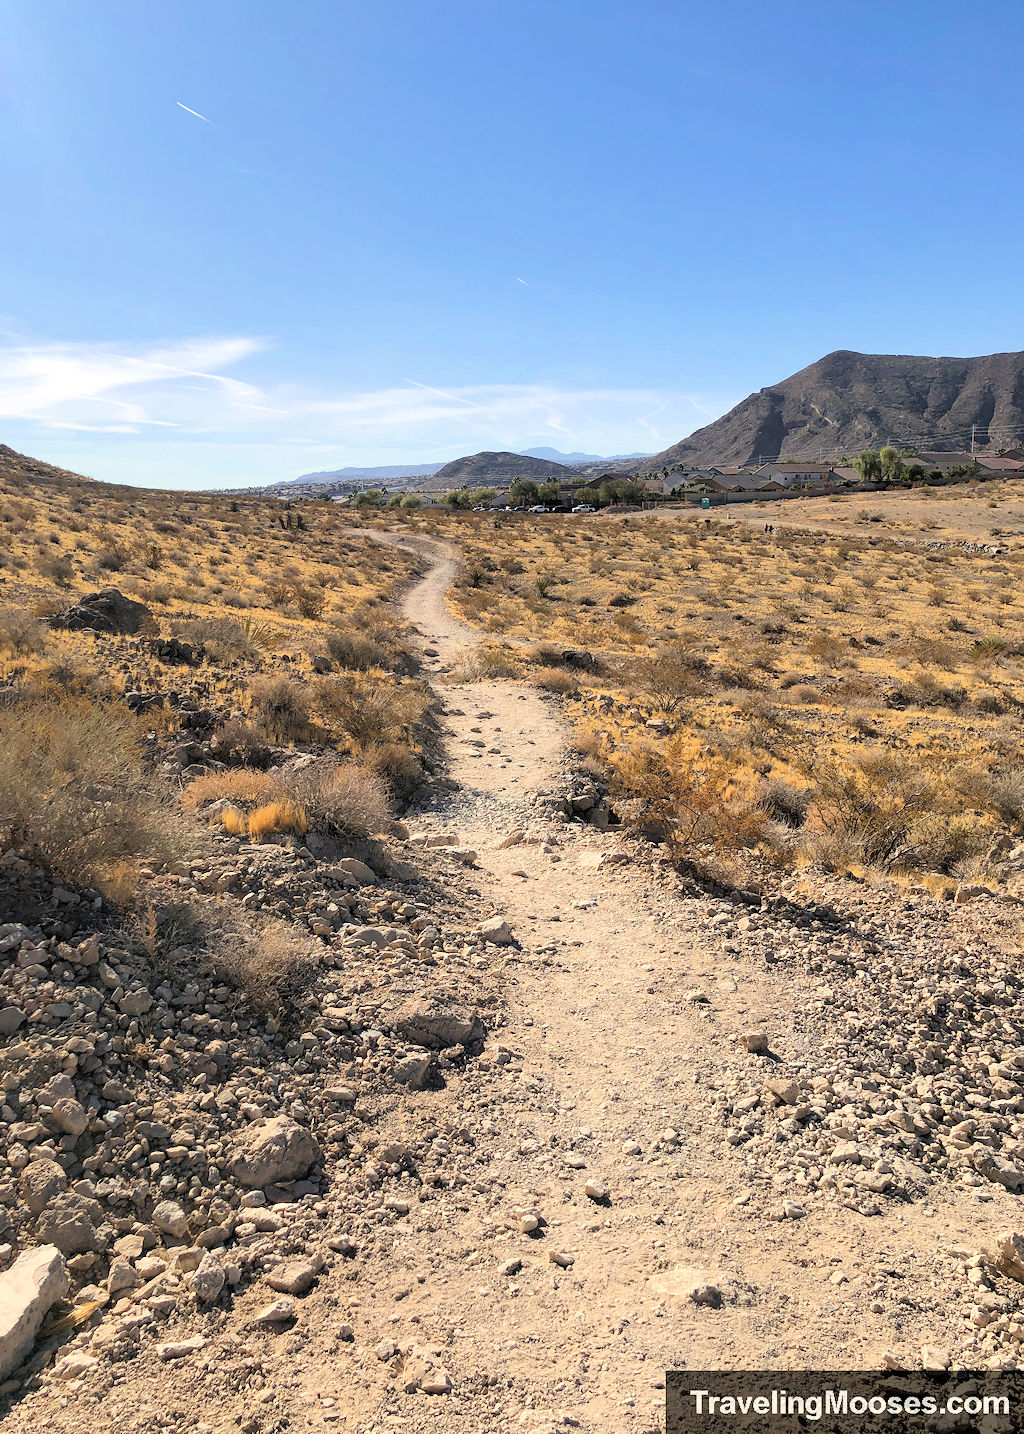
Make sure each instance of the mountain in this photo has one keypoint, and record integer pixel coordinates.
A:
(848, 401)
(494, 470)
(344, 475)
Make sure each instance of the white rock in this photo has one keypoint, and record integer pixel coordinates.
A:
(28, 1290)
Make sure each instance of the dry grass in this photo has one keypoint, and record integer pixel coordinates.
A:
(792, 658)
(74, 794)
(334, 798)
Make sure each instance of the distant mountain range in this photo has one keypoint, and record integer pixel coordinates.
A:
(848, 401)
(392, 471)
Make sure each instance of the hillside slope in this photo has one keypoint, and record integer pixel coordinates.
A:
(494, 470)
(848, 401)
(19, 467)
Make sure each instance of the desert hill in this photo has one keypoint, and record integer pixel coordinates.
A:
(18, 467)
(494, 470)
(848, 401)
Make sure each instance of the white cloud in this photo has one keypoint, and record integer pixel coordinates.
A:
(179, 393)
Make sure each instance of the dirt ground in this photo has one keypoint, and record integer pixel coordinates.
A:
(602, 1074)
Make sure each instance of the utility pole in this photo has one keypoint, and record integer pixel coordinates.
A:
(974, 429)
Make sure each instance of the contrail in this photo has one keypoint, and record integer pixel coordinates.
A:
(193, 112)
(521, 281)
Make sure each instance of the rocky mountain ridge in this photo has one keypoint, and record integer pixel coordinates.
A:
(847, 401)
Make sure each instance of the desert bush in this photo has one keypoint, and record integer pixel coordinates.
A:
(870, 804)
(240, 743)
(280, 708)
(941, 842)
(73, 791)
(280, 815)
(784, 802)
(486, 662)
(371, 710)
(556, 680)
(690, 801)
(1005, 794)
(20, 632)
(342, 798)
(267, 965)
(354, 650)
(224, 639)
(397, 766)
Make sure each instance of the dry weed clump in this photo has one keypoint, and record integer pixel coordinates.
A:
(21, 632)
(334, 798)
(371, 710)
(268, 964)
(691, 801)
(74, 794)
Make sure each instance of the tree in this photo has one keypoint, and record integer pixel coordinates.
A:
(869, 465)
(523, 490)
(549, 492)
(457, 499)
(410, 500)
(481, 497)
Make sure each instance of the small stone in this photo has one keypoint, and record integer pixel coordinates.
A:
(180, 1348)
(171, 1219)
(496, 931)
(934, 1359)
(560, 1258)
(631, 1147)
(279, 1312)
(387, 1349)
(754, 1041)
(511, 1267)
(295, 1277)
(594, 1190)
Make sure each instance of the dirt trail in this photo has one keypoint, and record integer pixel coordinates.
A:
(607, 1061)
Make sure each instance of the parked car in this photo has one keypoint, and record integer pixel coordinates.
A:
(584, 508)
(537, 508)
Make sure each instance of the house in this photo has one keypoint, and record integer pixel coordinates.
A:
(797, 474)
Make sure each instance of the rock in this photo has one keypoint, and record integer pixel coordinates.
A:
(122, 1275)
(75, 1365)
(594, 1190)
(1008, 1256)
(706, 1294)
(792, 1211)
(70, 1115)
(207, 1279)
(28, 1291)
(280, 1312)
(10, 1019)
(437, 1027)
(180, 1348)
(754, 1041)
(437, 1382)
(295, 1277)
(41, 1181)
(495, 930)
(357, 871)
(934, 1359)
(561, 1258)
(528, 1222)
(631, 1147)
(386, 1349)
(170, 1219)
(415, 1071)
(511, 1267)
(966, 892)
(106, 611)
(69, 1222)
(273, 1151)
(785, 1092)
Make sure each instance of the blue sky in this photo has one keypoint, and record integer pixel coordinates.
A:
(425, 227)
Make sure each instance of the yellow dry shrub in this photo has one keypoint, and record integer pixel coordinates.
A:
(280, 816)
(690, 799)
(243, 785)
